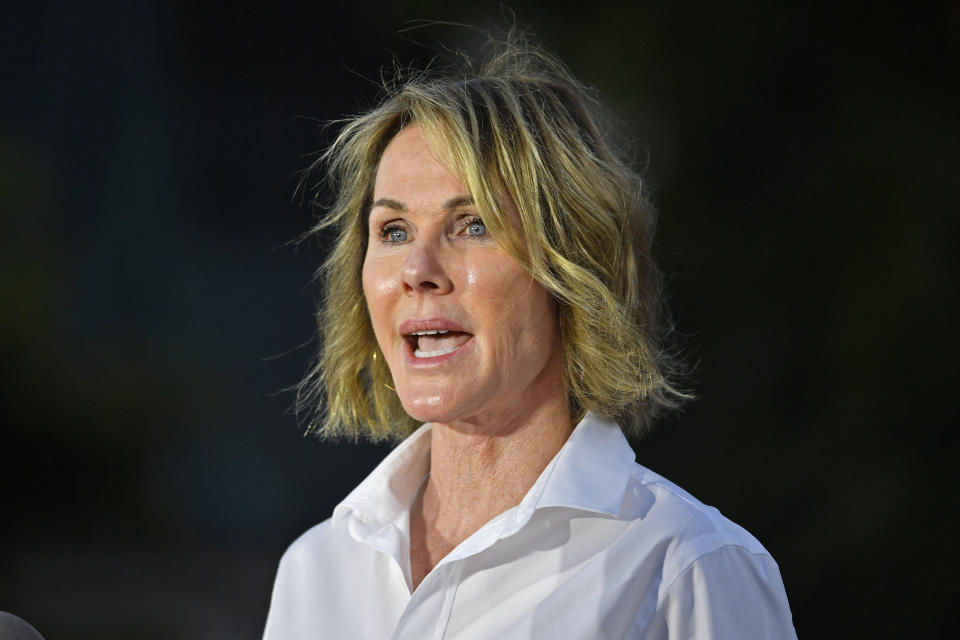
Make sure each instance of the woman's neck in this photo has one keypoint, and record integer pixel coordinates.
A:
(477, 473)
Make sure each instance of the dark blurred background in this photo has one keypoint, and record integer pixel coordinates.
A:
(804, 160)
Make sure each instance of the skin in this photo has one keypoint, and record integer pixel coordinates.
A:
(499, 407)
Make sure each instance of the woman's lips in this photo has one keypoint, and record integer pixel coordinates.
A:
(414, 325)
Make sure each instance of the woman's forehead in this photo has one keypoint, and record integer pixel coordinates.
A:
(410, 168)
(416, 169)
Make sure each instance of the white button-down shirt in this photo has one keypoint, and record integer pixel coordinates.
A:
(599, 547)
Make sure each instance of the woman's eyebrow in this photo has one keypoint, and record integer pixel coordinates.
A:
(452, 203)
(390, 204)
(458, 201)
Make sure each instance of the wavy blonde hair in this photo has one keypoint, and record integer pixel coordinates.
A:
(522, 127)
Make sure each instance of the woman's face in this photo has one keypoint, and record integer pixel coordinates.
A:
(468, 335)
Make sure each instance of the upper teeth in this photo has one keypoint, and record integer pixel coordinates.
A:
(429, 333)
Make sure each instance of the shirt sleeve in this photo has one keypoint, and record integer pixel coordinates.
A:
(729, 593)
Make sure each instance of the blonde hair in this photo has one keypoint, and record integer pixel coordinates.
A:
(524, 127)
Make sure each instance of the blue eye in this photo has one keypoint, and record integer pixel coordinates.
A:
(476, 228)
(393, 235)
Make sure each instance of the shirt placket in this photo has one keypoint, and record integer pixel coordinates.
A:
(434, 599)
(427, 615)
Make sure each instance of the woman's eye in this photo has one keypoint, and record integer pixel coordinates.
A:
(476, 228)
(394, 235)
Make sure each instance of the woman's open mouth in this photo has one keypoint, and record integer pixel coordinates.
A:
(431, 345)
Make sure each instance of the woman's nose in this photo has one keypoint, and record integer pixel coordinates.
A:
(424, 272)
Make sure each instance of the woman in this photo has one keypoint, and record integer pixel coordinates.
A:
(492, 278)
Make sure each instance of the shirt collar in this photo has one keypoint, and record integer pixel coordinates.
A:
(389, 490)
(590, 472)
(591, 469)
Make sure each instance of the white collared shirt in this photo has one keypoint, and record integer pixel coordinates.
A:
(599, 547)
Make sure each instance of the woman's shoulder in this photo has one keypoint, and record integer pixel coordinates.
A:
(713, 576)
(321, 556)
(315, 544)
(317, 534)
(323, 575)
(684, 529)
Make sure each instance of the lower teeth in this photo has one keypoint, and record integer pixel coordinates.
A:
(433, 354)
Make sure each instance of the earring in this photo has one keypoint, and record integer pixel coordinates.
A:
(384, 384)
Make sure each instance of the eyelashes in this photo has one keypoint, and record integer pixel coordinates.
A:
(395, 232)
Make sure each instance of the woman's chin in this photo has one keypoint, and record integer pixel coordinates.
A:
(430, 407)
(423, 410)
